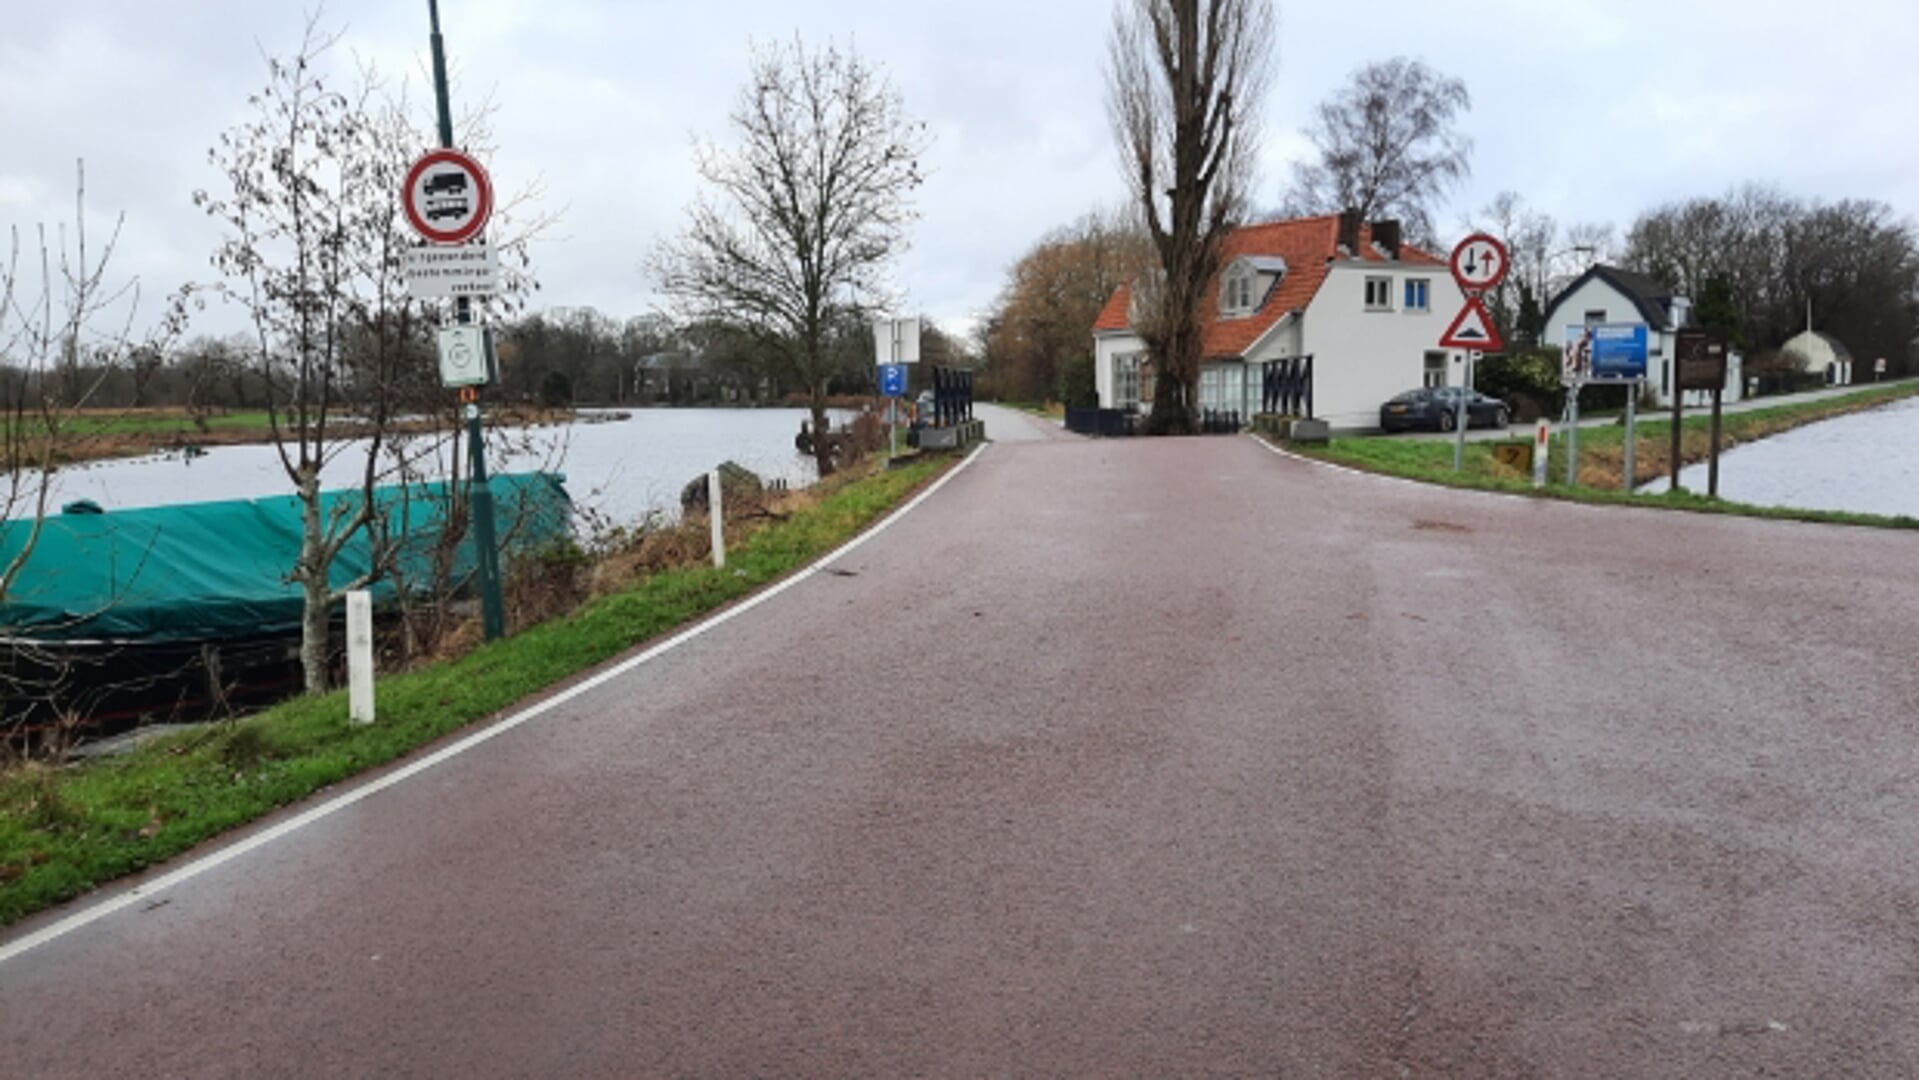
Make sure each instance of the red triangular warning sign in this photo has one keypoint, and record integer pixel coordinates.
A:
(1473, 329)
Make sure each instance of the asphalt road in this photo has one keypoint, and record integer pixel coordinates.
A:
(1133, 758)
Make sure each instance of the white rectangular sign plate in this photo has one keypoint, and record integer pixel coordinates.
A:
(441, 273)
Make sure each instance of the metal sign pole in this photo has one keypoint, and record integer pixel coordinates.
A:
(1572, 433)
(1461, 417)
(1632, 400)
(493, 614)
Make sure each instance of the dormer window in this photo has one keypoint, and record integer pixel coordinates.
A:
(1246, 283)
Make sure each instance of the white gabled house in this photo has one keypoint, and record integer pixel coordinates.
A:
(1608, 294)
(1368, 308)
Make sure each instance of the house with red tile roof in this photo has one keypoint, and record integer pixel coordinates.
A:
(1367, 307)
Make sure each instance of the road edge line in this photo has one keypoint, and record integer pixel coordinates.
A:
(103, 908)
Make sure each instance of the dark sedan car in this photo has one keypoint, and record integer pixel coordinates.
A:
(1437, 406)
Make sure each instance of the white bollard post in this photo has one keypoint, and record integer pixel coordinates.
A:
(1542, 442)
(359, 656)
(715, 513)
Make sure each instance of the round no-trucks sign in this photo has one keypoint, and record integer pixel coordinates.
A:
(447, 197)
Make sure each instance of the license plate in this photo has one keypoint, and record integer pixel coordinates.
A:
(1397, 409)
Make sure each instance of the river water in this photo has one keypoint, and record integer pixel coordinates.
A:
(620, 469)
(1864, 463)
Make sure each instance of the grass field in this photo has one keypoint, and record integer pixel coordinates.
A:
(1602, 458)
(67, 829)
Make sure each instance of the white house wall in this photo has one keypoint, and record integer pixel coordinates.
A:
(1360, 357)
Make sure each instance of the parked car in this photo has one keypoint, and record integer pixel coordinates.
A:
(1437, 407)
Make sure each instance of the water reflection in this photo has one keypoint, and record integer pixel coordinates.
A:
(1864, 463)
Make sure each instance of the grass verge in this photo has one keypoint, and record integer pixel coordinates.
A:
(1602, 457)
(65, 830)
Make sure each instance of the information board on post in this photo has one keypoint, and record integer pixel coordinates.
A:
(1605, 353)
(1701, 361)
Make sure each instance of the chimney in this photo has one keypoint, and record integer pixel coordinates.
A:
(1349, 233)
(1387, 235)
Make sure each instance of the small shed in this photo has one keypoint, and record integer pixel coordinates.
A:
(1819, 353)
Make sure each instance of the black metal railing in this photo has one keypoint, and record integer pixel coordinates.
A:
(952, 396)
(1287, 387)
(1219, 422)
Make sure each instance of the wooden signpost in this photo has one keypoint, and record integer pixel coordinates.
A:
(1699, 365)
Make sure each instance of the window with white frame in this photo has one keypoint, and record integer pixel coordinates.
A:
(1126, 380)
(1238, 293)
(1417, 295)
(1435, 369)
(1379, 294)
(1594, 318)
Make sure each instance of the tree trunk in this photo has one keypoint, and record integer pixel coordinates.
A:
(822, 446)
(311, 573)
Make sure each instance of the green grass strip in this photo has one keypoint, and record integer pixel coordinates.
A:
(66, 830)
(1431, 461)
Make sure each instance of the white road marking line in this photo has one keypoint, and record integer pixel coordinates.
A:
(340, 802)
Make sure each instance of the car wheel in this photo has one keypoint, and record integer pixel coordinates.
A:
(1446, 420)
(1501, 420)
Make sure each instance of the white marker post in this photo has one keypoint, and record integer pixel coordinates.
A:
(359, 656)
(1542, 443)
(715, 514)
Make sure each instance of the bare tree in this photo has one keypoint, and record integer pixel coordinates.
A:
(1387, 146)
(64, 330)
(812, 204)
(312, 254)
(1034, 341)
(1185, 81)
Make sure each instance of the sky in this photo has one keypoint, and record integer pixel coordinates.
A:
(1593, 110)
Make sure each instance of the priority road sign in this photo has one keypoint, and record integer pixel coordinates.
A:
(1479, 263)
(1472, 329)
(447, 197)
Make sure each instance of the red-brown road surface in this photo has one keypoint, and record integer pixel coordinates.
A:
(1127, 758)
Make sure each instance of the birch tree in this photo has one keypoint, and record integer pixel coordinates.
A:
(807, 209)
(1185, 80)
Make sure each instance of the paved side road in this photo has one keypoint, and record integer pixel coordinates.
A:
(1013, 425)
(1131, 757)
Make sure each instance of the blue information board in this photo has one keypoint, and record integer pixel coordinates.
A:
(893, 380)
(1605, 352)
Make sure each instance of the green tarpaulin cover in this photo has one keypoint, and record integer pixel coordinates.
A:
(206, 571)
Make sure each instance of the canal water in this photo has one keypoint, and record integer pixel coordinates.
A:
(620, 469)
(1864, 463)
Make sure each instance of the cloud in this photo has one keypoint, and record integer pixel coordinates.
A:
(1592, 110)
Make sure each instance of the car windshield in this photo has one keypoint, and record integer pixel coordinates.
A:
(1408, 396)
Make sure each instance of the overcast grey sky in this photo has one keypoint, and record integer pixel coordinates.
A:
(1591, 109)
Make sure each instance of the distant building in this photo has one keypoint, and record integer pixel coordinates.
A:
(1608, 294)
(1369, 308)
